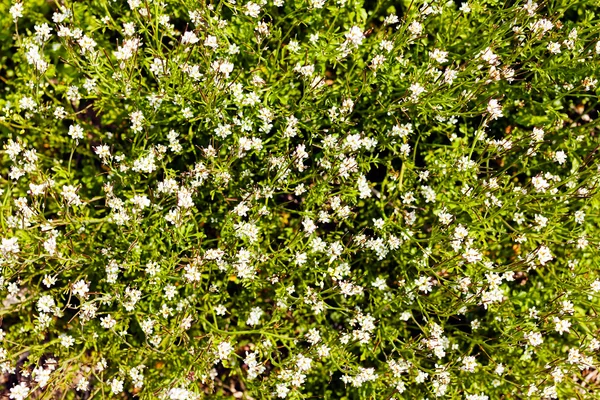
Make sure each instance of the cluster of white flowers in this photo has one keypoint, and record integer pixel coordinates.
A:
(217, 182)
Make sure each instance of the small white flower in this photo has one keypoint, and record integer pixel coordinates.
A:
(211, 41)
(303, 363)
(534, 338)
(81, 288)
(9, 246)
(252, 10)
(494, 109)
(16, 11)
(561, 325)
(224, 349)
(560, 157)
(439, 56)
(469, 364)
(66, 340)
(220, 309)
(108, 322)
(116, 386)
(554, 47)
(540, 184)
(76, 132)
(415, 28)
(355, 36)
(19, 392)
(254, 317)
(544, 255)
(416, 90)
(189, 38)
(45, 304)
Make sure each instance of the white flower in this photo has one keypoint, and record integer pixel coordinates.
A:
(303, 363)
(19, 392)
(66, 340)
(137, 118)
(127, 49)
(391, 19)
(49, 281)
(108, 322)
(16, 11)
(416, 90)
(317, 3)
(355, 36)
(252, 10)
(538, 134)
(560, 157)
(45, 304)
(282, 390)
(129, 29)
(69, 193)
(439, 55)
(116, 386)
(540, 184)
(145, 164)
(211, 41)
(223, 67)
(450, 75)
(35, 58)
(262, 28)
(428, 194)
(472, 255)
(224, 349)
(489, 56)
(530, 7)
(9, 246)
(184, 198)
(147, 326)
(579, 216)
(549, 392)
(181, 394)
(495, 109)
(323, 351)
(561, 325)
(254, 317)
(189, 38)
(544, 255)
(499, 369)
(423, 284)
(220, 309)
(469, 364)
(76, 132)
(415, 28)
(554, 47)
(534, 338)
(87, 44)
(27, 103)
(293, 46)
(82, 385)
(187, 113)
(541, 26)
(313, 336)
(140, 202)
(103, 151)
(81, 288)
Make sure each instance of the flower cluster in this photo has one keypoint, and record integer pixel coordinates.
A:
(321, 198)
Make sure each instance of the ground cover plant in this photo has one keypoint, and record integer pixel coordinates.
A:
(336, 199)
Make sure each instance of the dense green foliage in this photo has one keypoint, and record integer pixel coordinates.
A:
(331, 199)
